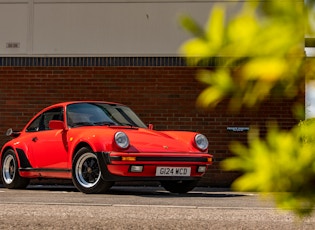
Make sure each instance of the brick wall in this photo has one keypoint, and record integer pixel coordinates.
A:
(162, 95)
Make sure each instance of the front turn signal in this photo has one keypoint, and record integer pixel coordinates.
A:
(128, 158)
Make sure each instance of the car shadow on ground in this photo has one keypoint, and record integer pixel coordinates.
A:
(161, 192)
(136, 190)
(147, 191)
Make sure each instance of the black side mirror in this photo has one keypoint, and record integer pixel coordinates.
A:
(11, 133)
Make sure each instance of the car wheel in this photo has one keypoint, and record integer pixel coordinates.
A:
(182, 186)
(86, 173)
(9, 174)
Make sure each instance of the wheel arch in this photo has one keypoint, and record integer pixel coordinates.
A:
(79, 146)
(6, 149)
(96, 145)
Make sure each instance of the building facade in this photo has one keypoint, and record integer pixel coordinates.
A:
(121, 51)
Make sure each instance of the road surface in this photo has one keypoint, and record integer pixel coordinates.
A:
(135, 207)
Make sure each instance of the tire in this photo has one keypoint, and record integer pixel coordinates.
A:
(86, 173)
(182, 186)
(10, 174)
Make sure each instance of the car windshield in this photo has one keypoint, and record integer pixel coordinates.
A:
(91, 114)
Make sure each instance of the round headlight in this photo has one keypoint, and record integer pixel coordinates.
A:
(201, 142)
(122, 140)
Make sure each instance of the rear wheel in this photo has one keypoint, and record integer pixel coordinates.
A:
(182, 186)
(86, 173)
(9, 174)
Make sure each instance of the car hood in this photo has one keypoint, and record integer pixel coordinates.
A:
(145, 140)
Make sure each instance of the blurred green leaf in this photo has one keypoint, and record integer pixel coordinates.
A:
(220, 83)
(215, 28)
(192, 26)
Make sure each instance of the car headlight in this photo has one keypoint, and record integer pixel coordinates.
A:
(122, 140)
(201, 142)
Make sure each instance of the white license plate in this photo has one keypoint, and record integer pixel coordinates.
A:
(172, 171)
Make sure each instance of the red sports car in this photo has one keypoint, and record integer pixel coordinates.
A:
(98, 143)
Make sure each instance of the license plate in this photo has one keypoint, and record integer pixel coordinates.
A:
(172, 171)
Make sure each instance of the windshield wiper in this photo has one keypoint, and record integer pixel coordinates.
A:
(109, 123)
(127, 124)
(84, 123)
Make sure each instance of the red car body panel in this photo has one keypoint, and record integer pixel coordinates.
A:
(49, 153)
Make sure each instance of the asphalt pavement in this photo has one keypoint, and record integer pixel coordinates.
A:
(142, 207)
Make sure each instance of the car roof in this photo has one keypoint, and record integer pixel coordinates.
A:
(63, 104)
(78, 102)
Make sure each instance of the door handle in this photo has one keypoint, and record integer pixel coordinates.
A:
(34, 139)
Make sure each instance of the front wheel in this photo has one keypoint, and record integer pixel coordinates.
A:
(9, 174)
(86, 173)
(182, 186)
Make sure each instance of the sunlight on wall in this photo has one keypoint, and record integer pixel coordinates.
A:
(310, 100)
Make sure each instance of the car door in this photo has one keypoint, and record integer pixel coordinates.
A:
(48, 148)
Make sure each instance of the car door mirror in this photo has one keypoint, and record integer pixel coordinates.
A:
(11, 133)
(55, 124)
(151, 126)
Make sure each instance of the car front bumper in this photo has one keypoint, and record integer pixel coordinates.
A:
(117, 166)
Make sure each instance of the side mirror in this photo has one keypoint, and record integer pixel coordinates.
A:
(56, 124)
(11, 133)
(151, 126)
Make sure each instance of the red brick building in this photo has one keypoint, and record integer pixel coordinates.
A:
(161, 90)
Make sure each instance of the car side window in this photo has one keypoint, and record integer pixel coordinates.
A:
(34, 126)
(42, 121)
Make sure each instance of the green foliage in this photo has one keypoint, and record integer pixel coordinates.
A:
(263, 46)
(267, 50)
(283, 163)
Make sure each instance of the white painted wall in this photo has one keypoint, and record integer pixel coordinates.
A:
(98, 27)
(14, 27)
